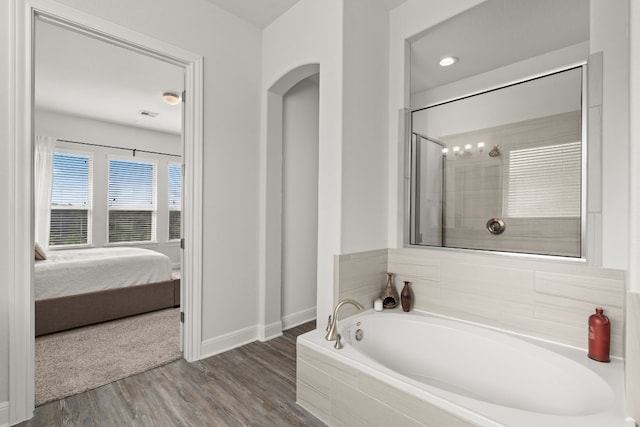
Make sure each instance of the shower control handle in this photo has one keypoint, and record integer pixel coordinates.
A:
(495, 226)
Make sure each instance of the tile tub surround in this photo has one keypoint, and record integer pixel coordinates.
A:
(544, 298)
(340, 395)
(632, 356)
(360, 276)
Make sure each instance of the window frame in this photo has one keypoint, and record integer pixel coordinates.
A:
(169, 209)
(154, 198)
(90, 209)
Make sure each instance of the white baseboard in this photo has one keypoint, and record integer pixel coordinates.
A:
(295, 319)
(4, 414)
(229, 341)
(273, 330)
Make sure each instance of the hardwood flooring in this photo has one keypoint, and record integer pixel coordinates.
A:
(253, 385)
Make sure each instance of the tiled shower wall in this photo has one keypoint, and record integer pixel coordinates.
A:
(538, 297)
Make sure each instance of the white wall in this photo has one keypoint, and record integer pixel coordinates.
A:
(554, 94)
(299, 203)
(348, 40)
(231, 51)
(73, 128)
(311, 33)
(530, 67)
(364, 150)
(609, 33)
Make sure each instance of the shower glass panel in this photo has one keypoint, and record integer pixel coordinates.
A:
(501, 170)
(428, 168)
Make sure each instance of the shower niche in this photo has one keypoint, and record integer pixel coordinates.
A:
(501, 170)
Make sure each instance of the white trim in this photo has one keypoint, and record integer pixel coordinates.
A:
(270, 331)
(4, 414)
(20, 239)
(191, 274)
(295, 319)
(228, 341)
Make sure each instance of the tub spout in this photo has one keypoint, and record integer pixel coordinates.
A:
(332, 334)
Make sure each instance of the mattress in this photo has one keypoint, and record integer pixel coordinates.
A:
(79, 271)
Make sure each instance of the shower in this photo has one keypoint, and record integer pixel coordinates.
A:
(495, 151)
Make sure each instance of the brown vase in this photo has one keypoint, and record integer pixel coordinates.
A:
(405, 297)
(389, 295)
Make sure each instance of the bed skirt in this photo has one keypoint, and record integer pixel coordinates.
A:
(62, 313)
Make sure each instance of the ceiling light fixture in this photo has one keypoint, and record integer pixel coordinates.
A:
(171, 98)
(448, 60)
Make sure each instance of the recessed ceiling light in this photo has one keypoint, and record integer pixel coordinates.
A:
(448, 60)
(171, 98)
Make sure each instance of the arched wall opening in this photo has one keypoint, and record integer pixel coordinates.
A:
(271, 210)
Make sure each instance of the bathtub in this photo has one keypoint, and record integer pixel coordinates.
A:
(481, 376)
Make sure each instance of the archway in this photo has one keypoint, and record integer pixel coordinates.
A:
(270, 263)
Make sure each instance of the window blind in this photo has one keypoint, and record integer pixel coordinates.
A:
(544, 181)
(175, 201)
(70, 199)
(132, 207)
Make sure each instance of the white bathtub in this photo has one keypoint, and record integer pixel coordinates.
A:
(483, 376)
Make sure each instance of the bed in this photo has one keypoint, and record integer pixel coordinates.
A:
(80, 287)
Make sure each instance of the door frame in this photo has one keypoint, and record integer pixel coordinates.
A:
(20, 239)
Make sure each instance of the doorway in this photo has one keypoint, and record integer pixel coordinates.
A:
(108, 190)
(21, 379)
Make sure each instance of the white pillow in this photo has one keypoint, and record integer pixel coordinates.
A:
(40, 252)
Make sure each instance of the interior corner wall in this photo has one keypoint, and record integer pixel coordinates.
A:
(365, 126)
(231, 49)
(609, 33)
(311, 33)
(6, 162)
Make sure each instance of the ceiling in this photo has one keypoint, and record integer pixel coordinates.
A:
(80, 75)
(494, 34)
(261, 13)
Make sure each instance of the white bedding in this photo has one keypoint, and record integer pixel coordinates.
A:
(78, 271)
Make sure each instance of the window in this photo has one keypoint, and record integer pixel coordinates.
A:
(175, 201)
(70, 199)
(132, 201)
(544, 182)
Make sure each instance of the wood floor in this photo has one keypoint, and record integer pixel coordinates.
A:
(253, 385)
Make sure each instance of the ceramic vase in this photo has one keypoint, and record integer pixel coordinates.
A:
(406, 297)
(389, 295)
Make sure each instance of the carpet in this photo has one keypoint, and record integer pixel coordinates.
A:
(75, 361)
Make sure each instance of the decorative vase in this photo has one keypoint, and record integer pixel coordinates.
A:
(405, 297)
(389, 295)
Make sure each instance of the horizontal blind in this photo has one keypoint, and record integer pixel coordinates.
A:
(70, 199)
(131, 201)
(544, 182)
(131, 184)
(175, 201)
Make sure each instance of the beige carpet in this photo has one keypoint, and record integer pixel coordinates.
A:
(71, 362)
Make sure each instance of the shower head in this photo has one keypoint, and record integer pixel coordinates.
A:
(495, 151)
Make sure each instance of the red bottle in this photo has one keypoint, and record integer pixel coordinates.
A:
(599, 336)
